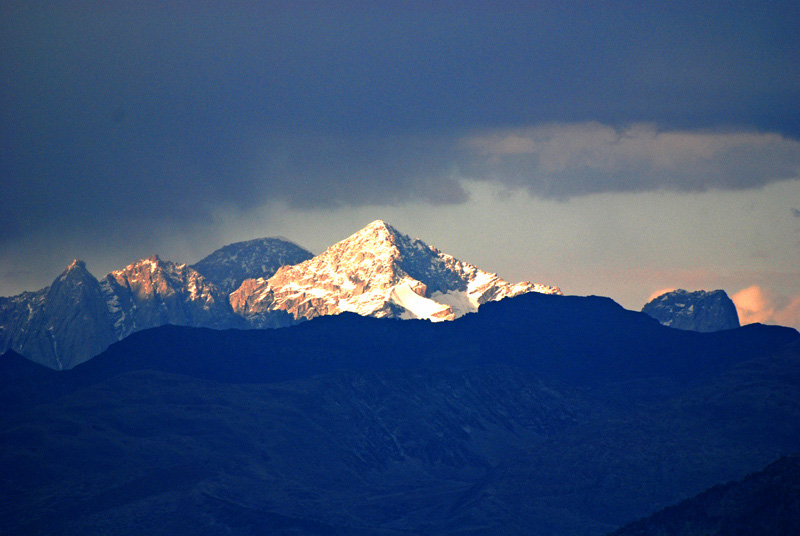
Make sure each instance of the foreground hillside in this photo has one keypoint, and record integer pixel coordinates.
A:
(765, 503)
(538, 415)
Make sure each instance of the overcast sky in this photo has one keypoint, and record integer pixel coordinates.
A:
(612, 148)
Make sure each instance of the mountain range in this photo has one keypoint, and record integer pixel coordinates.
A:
(539, 414)
(491, 408)
(264, 283)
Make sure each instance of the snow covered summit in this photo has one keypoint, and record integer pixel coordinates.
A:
(379, 272)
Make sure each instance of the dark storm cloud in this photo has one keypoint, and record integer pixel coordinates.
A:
(150, 111)
(329, 171)
(567, 160)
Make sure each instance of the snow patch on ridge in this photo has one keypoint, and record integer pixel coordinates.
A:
(417, 306)
(458, 300)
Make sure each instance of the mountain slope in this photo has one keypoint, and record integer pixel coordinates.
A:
(379, 272)
(61, 325)
(380, 453)
(765, 503)
(539, 414)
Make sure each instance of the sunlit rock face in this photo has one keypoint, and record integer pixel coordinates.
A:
(378, 272)
(152, 292)
(696, 311)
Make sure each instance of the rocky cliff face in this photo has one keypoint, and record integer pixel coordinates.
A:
(153, 292)
(695, 311)
(61, 325)
(377, 272)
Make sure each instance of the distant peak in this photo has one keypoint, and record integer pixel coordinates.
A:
(379, 225)
(76, 265)
(691, 294)
(76, 271)
(76, 268)
(153, 263)
(272, 241)
(377, 236)
(698, 310)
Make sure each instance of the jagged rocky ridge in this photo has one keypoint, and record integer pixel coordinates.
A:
(696, 311)
(153, 292)
(60, 325)
(77, 317)
(377, 272)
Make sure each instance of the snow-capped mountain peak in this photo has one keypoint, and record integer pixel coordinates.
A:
(377, 271)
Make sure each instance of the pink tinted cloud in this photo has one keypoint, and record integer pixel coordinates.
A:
(755, 304)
